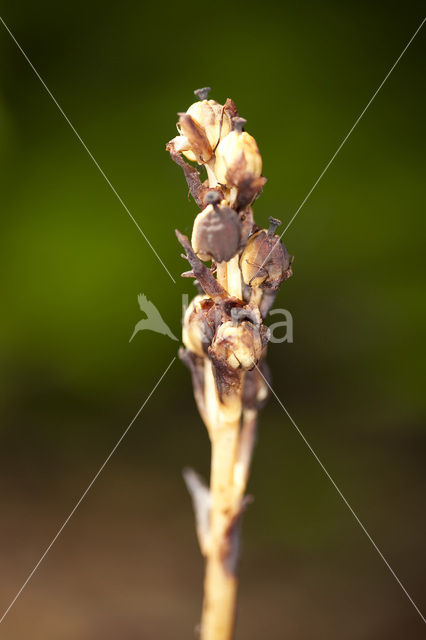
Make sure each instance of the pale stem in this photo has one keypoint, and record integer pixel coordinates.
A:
(234, 278)
(256, 296)
(245, 453)
(220, 593)
(220, 584)
(222, 274)
(211, 175)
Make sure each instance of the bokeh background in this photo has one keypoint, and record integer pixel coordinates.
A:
(72, 263)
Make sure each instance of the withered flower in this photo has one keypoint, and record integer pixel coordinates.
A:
(204, 124)
(237, 156)
(197, 332)
(265, 261)
(240, 345)
(217, 231)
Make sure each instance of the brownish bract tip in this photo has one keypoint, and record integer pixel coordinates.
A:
(197, 137)
(208, 282)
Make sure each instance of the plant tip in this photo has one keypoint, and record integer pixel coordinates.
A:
(213, 197)
(273, 224)
(238, 124)
(202, 93)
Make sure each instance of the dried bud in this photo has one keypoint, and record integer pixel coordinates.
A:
(197, 332)
(212, 118)
(217, 231)
(265, 261)
(239, 345)
(237, 157)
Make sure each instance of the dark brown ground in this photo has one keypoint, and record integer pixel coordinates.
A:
(127, 565)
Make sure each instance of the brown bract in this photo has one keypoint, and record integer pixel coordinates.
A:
(204, 276)
(256, 391)
(228, 380)
(191, 174)
(196, 136)
(231, 109)
(249, 188)
(195, 365)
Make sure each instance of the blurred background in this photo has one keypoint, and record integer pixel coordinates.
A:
(72, 263)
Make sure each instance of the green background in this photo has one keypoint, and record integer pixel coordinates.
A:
(72, 263)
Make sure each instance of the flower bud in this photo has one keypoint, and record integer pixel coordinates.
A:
(197, 332)
(239, 345)
(265, 261)
(213, 119)
(216, 232)
(237, 157)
